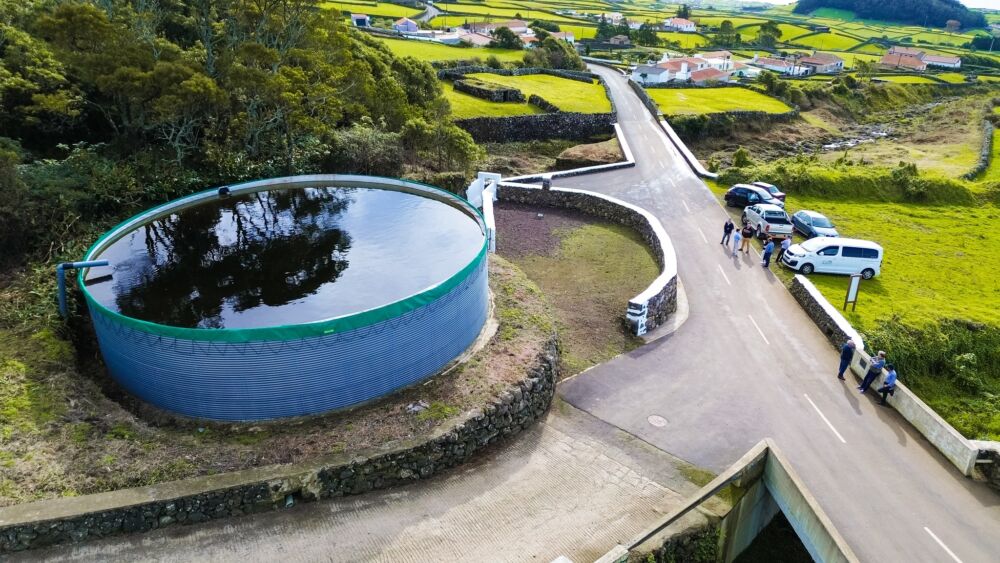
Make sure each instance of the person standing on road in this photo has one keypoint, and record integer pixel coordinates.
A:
(889, 385)
(737, 237)
(878, 362)
(785, 244)
(747, 232)
(768, 249)
(846, 355)
(727, 231)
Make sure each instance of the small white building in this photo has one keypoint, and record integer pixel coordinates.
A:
(361, 20)
(650, 74)
(781, 66)
(680, 24)
(943, 61)
(406, 25)
(719, 60)
(612, 17)
(823, 63)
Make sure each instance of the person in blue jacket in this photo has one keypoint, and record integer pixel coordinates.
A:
(878, 362)
(846, 355)
(889, 385)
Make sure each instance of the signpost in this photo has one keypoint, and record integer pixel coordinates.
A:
(852, 292)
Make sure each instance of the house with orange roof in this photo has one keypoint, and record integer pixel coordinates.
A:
(902, 62)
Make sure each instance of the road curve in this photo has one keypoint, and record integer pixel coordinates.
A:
(749, 363)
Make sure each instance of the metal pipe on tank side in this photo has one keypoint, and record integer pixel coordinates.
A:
(61, 278)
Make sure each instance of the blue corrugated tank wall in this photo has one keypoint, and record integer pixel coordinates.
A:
(272, 379)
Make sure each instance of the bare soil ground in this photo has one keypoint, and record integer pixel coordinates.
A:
(587, 268)
(60, 435)
(605, 152)
(534, 157)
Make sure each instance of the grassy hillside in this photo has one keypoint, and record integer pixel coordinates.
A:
(427, 51)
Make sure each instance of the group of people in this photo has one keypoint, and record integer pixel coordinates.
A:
(741, 242)
(874, 369)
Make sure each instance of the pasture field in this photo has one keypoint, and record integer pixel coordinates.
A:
(870, 49)
(427, 51)
(686, 40)
(698, 101)
(905, 79)
(827, 41)
(381, 9)
(465, 106)
(716, 20)
(567, 95)
(951, 77)
(992, 174)
(488, 12)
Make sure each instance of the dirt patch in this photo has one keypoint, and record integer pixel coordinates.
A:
(529, 230)
(587, 268)
(529, 157)
(61, 436)
(606, 152)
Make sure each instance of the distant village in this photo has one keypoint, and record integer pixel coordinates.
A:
(700, 68)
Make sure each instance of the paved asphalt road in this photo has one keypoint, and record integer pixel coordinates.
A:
(749, 363)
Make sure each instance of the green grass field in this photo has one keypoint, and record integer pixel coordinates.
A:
(465, 106)
(479, 12)
(696, 101)
(992, 173)
(905, 79)
(716, 21)
(381, 9)
(827, 41)
(951, 77)
(427, 51)
(567, 95)
(687, 40)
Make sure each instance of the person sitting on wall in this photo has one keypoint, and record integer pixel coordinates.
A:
(889, 385)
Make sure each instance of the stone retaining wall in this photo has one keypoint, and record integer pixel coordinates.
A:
(692, 127)
(644, 98)
(542, 103)
(564, 125)
(67, 520)
(661, 296)
(488, 90)
(697, 545)
(829, 321)
(458, 72)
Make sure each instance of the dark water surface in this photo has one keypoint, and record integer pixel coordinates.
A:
(284, 256)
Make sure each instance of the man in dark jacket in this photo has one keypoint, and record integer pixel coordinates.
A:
(846, 355)
(727, 231)
(874, 370)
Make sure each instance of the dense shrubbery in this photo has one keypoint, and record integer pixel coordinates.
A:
(106, 106)
(806, 176)
(953, 365)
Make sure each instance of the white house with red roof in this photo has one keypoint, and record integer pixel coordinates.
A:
(902, 62)
(901, 57)
(823, 63)
(680, 24)
(781, 66)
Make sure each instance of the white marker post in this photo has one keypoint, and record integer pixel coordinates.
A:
(852, 292)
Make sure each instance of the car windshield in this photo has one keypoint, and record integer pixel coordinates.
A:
(773, 189)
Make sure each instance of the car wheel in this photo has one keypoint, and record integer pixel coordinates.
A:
(868, 273)
(743, 218)
(807, 269)
(760, 234)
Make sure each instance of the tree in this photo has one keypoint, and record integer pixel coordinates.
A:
(604, 29)
(553, 53)
(547, 26)
(768, 34)
(684, 11)
(866, 69)
(727, 36)
(504, 38)
(646, 35)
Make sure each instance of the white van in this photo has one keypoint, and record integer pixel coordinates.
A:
(835, 256)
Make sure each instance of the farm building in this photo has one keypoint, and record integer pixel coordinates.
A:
(680, 24)
(781, 66)
(517, 26)
(650, 74)
(823, 63)
(361, 20)
(905, 62)
(945, 61)
(620, 40)
(405, 25)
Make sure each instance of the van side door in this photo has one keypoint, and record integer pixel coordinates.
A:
(852, 260)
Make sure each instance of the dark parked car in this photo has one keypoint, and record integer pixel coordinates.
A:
(771, 189)
(812, 224)
(742, 195)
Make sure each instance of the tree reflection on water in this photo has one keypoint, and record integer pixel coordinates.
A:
(262, 249)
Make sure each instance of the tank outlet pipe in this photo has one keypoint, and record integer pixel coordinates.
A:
(61, 278)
